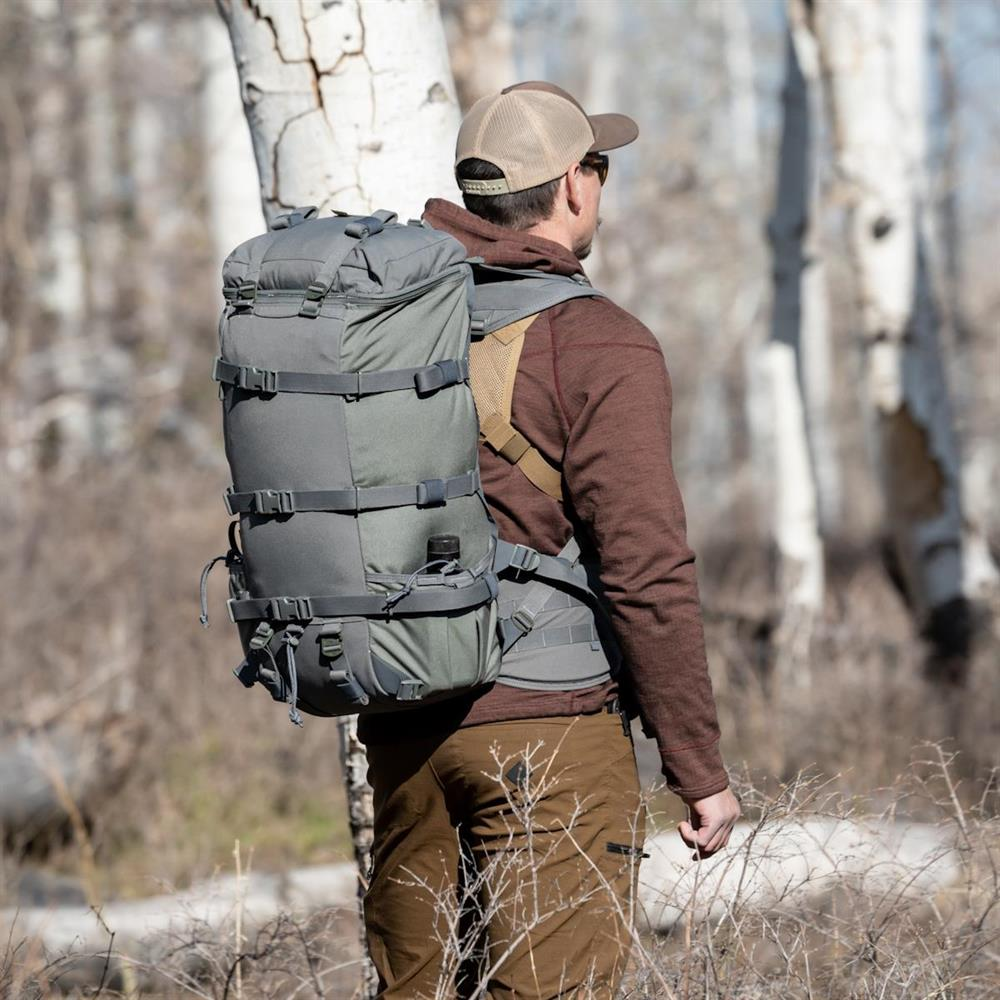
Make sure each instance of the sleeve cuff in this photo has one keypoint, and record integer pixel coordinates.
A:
(695, 772)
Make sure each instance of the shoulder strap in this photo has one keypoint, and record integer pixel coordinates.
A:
(506, 302)
(504, 295)
(493, 369)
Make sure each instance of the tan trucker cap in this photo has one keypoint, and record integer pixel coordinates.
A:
(533, 132)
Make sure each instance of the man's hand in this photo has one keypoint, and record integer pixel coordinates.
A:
(710, 822)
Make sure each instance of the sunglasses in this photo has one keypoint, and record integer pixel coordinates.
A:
(598, 162)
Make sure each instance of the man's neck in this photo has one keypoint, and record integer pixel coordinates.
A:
(554, 230)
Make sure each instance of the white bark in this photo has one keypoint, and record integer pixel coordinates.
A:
(351, 105)
(742, 93)
(874, 67)
(481, 43)
(795, 516)
(234, 208)
(816, 361)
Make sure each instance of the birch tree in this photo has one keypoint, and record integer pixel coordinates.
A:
(481, 44)
(234, 202)
(872, 58)
(799, 330)
(353, 106)
(350, 105)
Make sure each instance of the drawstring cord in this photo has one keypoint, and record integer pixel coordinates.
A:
(204, 588)
(394, 598)
(291, 637)
(232, 557)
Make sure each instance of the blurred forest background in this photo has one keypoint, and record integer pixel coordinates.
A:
(847, 555)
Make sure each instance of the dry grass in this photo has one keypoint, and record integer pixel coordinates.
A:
(103, 607)
(859, 939)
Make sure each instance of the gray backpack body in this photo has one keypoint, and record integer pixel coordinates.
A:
(365, 571)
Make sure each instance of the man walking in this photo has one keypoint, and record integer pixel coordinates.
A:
(527, 794)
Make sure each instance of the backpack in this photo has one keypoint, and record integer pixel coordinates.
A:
(365, 571)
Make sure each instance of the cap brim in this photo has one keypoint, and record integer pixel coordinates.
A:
(612, 131)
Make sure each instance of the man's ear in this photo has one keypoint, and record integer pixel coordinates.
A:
(574, 188)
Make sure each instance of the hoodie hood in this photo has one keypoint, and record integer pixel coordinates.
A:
(496, 245)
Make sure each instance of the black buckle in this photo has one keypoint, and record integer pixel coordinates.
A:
(273, 502)
(286, 609)
(257, 379)
(431, 493)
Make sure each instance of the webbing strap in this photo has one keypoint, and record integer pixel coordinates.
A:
(420, 601)
(345, 242)
(504, 438)
(556, 635)
(247, 289)
(547, 569)
(426, 379)
(509, 443)
(538, 471)
(504, 295)
(429, 493)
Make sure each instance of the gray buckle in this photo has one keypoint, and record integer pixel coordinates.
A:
(524, 559)
(257, 379)
(261, 637)
(431, 493)
(286, 609)
(367, 226)
(246, 290)
(331, 645)
(524, 620)
(438, 375)
(273, 502)
(410, 690)
(313, 301)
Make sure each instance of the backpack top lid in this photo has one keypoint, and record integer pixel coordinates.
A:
(383, 262)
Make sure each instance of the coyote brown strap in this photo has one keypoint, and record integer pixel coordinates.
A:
(492, 370)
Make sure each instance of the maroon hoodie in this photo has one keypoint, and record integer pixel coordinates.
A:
(593, 395)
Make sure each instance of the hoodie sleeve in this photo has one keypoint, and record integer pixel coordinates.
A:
(615, 391)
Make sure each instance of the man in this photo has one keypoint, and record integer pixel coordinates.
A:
(536, 790)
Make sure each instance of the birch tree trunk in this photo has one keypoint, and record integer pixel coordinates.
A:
(234, 202)
(352, 106)
(481, 43)
(874, 72)
(799, 317)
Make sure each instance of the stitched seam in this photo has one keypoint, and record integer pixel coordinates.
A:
(634, 347)
(437, 778)
(585, 347)
(690, 746)
(555, 377)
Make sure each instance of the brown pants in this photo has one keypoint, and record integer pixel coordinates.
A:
(505, 860)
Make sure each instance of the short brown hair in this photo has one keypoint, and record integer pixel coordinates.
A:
(520, 210)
